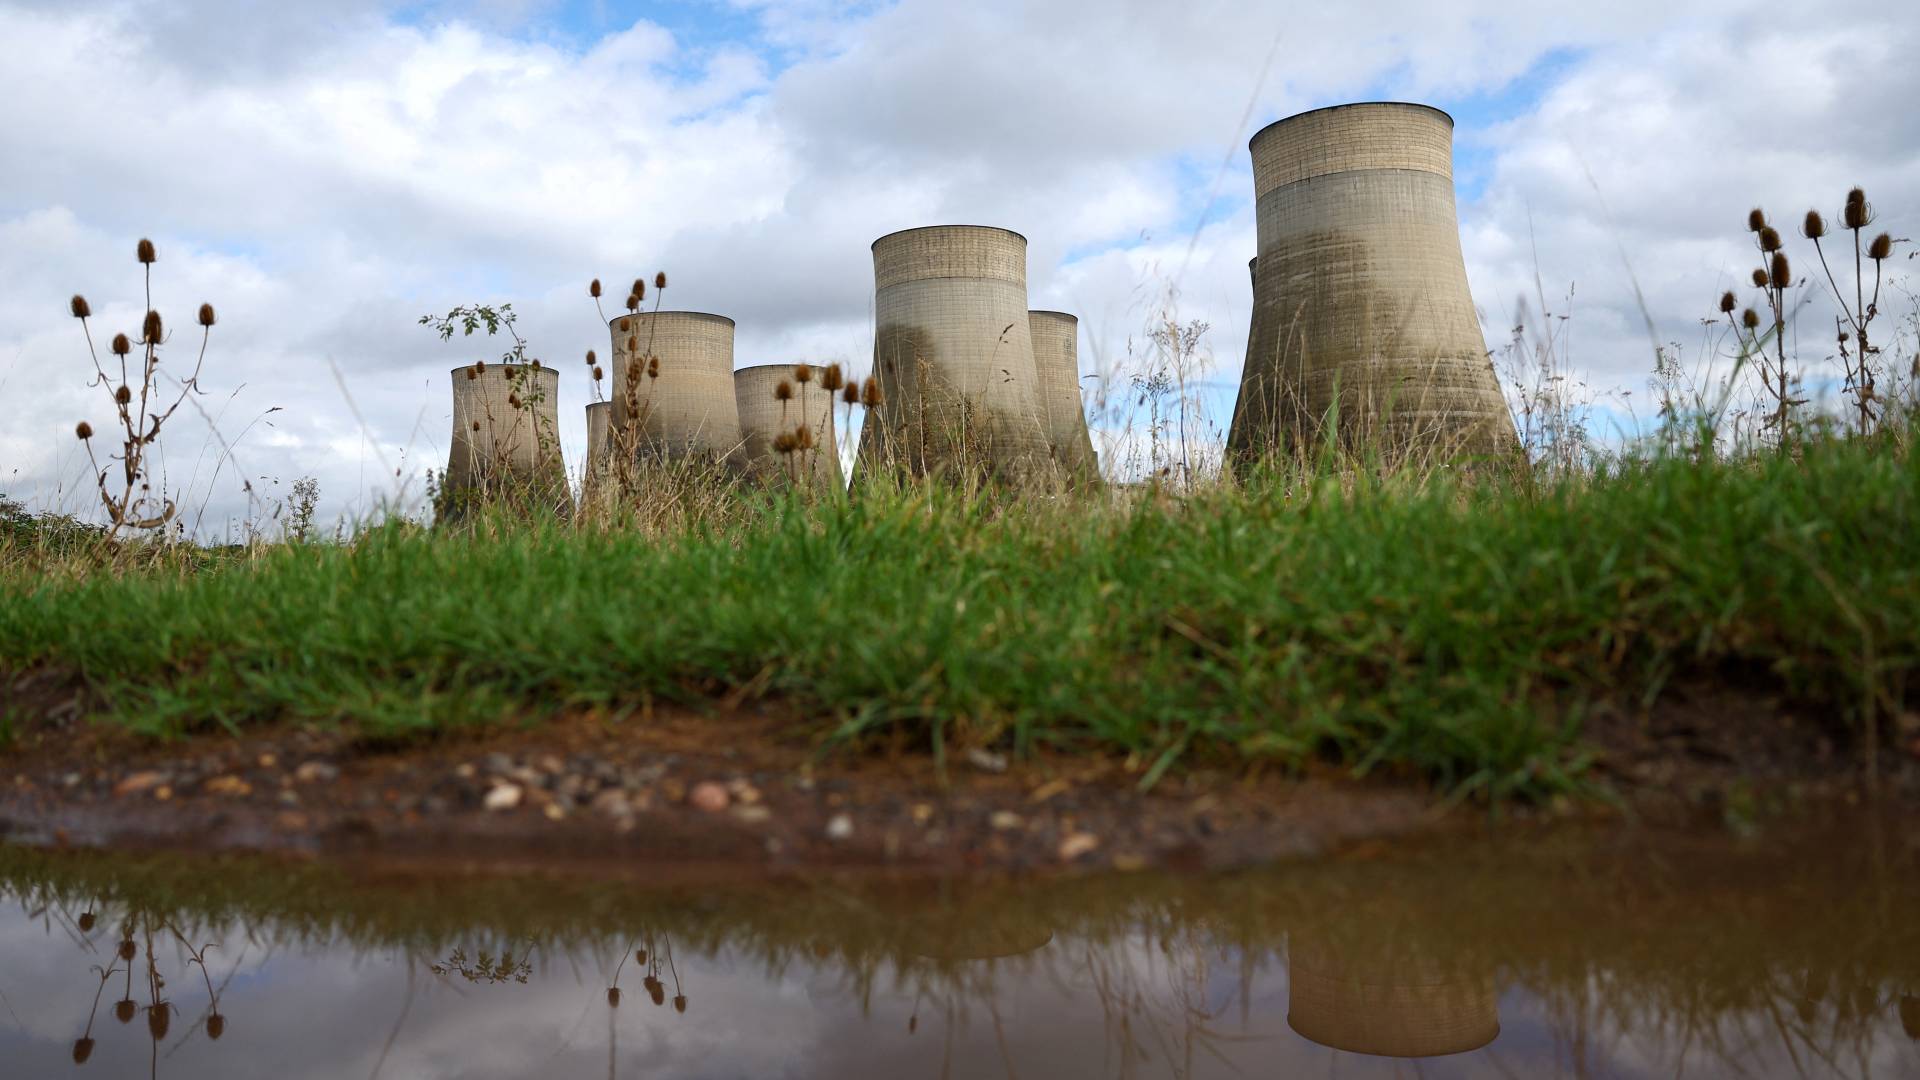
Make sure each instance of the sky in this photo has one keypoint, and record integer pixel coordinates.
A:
(324, 174)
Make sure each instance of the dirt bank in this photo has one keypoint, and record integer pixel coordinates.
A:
(728, 786)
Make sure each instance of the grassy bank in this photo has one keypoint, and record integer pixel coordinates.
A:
(1457, 630)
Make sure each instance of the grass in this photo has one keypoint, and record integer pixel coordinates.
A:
(1458, 630)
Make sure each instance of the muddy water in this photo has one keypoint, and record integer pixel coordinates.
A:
(1574, 955)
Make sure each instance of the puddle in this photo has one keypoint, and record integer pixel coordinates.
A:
(1573, 955)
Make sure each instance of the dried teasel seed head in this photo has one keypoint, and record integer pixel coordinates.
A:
(1814, 227)
(479, 367)
(1769, 239)
(832, 378)
(473, 373)
(1756, 219)
(851, 394)
(536, 364)
(591, 358)
(783, 442)
(803, 373)
(783, 391)
(82, 1050)
(598, 374)
(639, 289)
(1750, 319)
(144, 251)
(206, 315)
(83, 431)
(476, 425)
(613, 997)
(593, 288)
(513, 401)
(87, 918)
(803, 437)
(1728, 302)
(128, 950)
(79, 306)
(1760, 278)
(679, 1003)
(870, 394)
(150, 329)
(653, 367)
(123, 395)
(1881, 248)
(216, 1026)
(1857, 214)
(660, 279)
(159, 1019)
(121, 346)
(1780, 271)
(633, 301)
(125, 1010)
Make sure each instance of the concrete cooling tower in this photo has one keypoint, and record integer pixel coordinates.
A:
(764, 418)
(953, 356)
(1395, 1006)
(1056, 358)
(593, 475)
(673, 385)
(1360, 293)
(506, 439)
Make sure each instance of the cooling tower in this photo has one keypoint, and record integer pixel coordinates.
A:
(1396, 1006)
(1056, 360)
(1360, 292)
(506, 439)
(683, 407)
(764, 417)
(594, 473)
(953, 355)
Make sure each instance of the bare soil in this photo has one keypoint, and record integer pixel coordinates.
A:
(731, 787)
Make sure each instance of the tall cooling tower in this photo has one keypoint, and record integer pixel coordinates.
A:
(1056, 358)
(682, 406)
(506, 439)
(1360, 293)
(953, 355)
(764, 418)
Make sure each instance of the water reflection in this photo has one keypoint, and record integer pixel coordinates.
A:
(1570, 960)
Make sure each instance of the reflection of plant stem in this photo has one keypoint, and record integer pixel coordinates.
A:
(406, 1006)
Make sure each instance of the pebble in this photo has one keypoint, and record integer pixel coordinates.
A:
(753, 814)
(1077, 844)
(227, 785)
(1005, 820)
(503, 797)
(840, 827)
(708, 797)
(317, 772)
(135, 783)
(987, 760)
(613, 803)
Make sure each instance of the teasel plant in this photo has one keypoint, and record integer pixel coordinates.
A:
(1859, 357)
(640, 364)
(141, 405)
(1757, 331)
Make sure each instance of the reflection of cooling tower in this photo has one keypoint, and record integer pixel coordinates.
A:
(687, 409)
(1360, 295)
(506, 437)
(1056, 359)
(1394, 1006)
(952, 352)
(764, 417)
